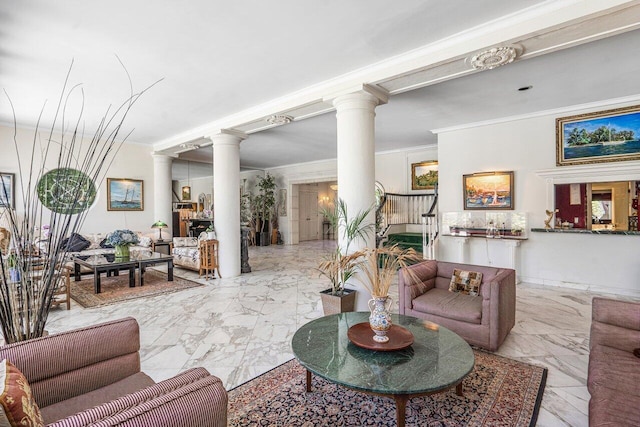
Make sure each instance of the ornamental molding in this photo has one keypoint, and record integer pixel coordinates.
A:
(494, 57)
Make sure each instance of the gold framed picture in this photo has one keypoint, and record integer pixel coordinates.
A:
(488, 190)
(603, 136)
(424, 175)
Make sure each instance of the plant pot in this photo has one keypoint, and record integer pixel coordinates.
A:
(333, 304)
(264, 239)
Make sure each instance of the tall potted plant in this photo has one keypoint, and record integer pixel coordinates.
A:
(340, 265)
(57, 181)
(263, 204)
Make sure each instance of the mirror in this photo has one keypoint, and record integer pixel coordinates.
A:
(598, 205)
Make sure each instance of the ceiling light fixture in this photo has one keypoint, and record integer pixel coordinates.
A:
(492, 58)
(523, 88)
(279, 119)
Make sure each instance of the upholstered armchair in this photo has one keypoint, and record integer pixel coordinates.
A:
(91, 376)
(483, 320)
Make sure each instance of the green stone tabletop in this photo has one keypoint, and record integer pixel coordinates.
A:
(438, 358)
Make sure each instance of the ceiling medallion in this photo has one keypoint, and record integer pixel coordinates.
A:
(492, 58)
(279, 119)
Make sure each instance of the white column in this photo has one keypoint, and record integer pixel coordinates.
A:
(226, 199)
(162, 191)
(355, 113)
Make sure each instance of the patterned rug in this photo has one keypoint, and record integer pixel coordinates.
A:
(498, 392)
(116, 288)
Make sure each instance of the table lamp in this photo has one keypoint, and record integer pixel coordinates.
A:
(160, 224)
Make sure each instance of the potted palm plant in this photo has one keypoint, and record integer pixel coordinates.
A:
(339, 266)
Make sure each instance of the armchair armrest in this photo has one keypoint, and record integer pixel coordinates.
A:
(193, 397)
(500, 302)
(414, 281)
(615, 324)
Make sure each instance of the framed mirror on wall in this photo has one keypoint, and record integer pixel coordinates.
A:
(598, 205)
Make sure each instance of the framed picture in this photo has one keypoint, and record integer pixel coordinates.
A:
(424, 175)
(604, 136)
(488, 190)
(125, 194)
(186, 193)
(7, 191)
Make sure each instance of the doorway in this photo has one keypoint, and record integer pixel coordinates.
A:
(309, 224)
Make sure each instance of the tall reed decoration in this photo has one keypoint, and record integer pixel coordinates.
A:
(75, 165)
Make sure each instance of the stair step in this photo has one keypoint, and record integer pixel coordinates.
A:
(406, 237)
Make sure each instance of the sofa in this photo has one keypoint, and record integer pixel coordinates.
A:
(614, 370)
(91, 376)
(483, 320)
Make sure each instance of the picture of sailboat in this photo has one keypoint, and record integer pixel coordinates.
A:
(125, 195)
(614, 142)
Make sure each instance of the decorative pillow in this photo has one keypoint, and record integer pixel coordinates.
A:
(18, 406)
(145, 242)
(75, 243)
(466, 282)
(104, 244)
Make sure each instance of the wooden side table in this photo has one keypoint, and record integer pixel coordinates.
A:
(165, 243)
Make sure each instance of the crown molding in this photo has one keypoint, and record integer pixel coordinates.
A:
(528, 23)
(564, 110)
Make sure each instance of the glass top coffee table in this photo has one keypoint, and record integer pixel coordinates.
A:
(437, 360)
(110, 264)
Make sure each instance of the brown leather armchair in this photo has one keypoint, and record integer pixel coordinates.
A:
(483, 320)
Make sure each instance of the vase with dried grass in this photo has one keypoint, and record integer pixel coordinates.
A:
(378, 266)
(56, 185)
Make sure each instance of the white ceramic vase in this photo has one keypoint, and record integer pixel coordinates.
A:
(380, 319)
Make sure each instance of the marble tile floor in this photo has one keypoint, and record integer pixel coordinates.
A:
(241, 327)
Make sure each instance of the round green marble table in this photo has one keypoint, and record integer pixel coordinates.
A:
(438, 359)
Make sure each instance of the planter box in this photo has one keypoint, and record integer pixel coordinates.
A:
(333, 304)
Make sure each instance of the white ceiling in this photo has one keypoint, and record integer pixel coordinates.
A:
(217, 58)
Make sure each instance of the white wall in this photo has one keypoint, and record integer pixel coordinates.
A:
(393, 169)
(132, 161)
(198, 186)
(595, 262)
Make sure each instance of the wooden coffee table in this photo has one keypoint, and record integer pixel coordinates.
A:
(438, 359)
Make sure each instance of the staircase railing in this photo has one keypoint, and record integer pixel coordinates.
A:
(399, 209)
(430, 230)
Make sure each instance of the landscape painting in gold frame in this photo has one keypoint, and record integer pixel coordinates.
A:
(488, 190)
(603, 136)
(424, 175)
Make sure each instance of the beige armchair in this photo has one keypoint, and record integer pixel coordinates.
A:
(483, 320)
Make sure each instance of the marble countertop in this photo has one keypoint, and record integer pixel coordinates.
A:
(437, 360)
(584, 231)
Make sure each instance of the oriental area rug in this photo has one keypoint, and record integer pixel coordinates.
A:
(116, 288)
(498, 392)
